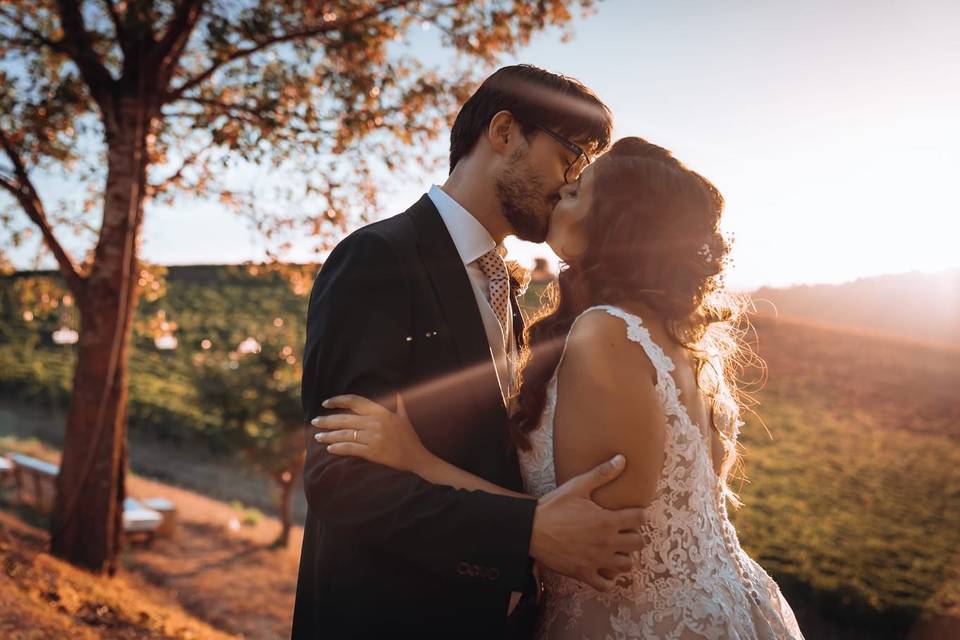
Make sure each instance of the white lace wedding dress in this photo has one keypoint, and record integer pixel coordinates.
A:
(691, 580)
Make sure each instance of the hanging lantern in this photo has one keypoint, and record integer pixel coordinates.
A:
(248, 346)
(166, 342)
(65, 335)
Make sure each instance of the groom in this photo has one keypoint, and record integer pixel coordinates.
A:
(419, 304)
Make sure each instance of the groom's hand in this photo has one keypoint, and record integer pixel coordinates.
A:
(574, 536)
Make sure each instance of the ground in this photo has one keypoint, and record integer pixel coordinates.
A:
(208, 581)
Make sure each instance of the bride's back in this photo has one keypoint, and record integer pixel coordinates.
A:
(693, 398)
(607, 402)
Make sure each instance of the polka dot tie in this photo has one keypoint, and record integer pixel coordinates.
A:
(499, 286)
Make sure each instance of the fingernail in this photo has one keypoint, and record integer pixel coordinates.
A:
(318, 437)
(618, 460)
(326, 403)
(315, 421)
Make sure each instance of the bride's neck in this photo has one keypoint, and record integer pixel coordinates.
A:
(644, 310)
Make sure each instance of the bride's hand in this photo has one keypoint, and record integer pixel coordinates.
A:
(371, 432)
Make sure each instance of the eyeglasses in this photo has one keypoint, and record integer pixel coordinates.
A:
(579, 163)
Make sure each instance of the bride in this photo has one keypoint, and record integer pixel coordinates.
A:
(636, 356)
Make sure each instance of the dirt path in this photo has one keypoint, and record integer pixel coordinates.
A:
(231, 579)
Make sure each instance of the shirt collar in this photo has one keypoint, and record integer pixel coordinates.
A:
(469, 236)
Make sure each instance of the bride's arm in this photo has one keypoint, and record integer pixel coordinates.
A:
(377, 434)
(439, 471)
(607, 403)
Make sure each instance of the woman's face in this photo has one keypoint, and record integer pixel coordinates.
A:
(567, 233)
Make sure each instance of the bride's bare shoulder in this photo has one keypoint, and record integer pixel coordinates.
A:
(600, 346)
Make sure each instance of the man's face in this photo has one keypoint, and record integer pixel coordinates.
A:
(529, 185)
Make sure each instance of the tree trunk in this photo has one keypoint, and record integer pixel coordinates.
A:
(286, 482)
(87, 522)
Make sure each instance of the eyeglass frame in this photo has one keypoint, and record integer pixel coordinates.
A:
(571, 147)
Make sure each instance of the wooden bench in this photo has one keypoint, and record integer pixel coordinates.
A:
(40, 476)
(139, 522)
(37, 486)
(168, 510)
(6, 470)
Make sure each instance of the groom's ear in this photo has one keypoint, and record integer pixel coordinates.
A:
(501, 131)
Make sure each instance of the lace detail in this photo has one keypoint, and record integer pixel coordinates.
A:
(691, 580)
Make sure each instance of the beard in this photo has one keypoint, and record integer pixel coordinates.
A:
(523, 201)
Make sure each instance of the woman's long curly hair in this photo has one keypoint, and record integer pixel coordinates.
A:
(652, 238)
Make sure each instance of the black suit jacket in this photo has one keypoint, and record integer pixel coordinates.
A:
(385, 553)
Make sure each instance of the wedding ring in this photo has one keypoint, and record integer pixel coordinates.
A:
(355, 434)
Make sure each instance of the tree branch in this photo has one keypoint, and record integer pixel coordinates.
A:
(253, 116)
(166, 54)
(327, 27)
(223, 106)
(27, 196)
(95, 74)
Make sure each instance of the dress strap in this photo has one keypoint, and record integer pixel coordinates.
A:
(638, 333)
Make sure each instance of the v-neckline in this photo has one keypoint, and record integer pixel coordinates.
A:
(704, 439)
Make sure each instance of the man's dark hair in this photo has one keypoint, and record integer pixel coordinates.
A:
(535, 97)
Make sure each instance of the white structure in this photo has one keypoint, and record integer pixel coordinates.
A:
(138, 518)
(65, 335)
(248, 346)
(165, 342)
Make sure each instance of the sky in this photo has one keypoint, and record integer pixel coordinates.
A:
(831, 128)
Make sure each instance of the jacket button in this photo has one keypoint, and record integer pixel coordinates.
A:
(493, 573)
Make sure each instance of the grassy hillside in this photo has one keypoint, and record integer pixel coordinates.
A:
(851, 500)
(919, 306)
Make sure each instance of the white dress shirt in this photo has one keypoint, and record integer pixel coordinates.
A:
(472, 241)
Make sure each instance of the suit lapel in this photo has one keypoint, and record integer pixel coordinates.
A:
(455, 296)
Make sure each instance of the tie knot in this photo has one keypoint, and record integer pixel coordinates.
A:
(492, 265)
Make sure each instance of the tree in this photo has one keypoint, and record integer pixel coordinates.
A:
(254, 392)
(152, 101)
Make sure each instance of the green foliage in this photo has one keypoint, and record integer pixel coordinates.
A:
(251, 517)
(222, 304)
(255, 398)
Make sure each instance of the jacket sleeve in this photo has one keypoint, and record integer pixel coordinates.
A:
(358, 322)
